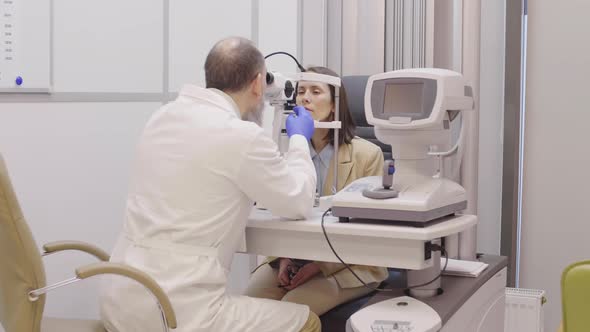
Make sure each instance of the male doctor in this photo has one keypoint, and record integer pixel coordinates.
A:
(202, 161)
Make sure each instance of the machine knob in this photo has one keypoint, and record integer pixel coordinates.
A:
(289, 89)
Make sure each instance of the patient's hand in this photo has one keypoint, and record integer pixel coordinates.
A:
(305, 273)
(286, 266)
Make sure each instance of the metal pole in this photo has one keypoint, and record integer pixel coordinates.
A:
(336, 137)
(470, 70)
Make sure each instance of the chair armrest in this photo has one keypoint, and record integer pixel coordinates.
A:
(57, 246)
(91, 270)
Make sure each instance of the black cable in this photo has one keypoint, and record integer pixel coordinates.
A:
(435, 247)
(259, 266)
(301, 68)
(444, 252)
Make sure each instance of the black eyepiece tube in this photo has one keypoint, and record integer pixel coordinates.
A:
(301, 68)
(270, 78)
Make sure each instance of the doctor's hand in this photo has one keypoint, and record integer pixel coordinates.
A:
(300, 123)
(305, 273)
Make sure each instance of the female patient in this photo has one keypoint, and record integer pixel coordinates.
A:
(322, 285)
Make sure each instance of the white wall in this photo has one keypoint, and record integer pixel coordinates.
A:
(363, 41)
(314, 32)
(277, 31)
(556, 190)
(70, 161)
(491, 119)
(447, 45)
(194, 27)
(448, 54)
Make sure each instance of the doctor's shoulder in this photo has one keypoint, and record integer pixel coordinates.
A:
(244, 131)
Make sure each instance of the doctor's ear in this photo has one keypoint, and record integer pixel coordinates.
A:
(256, 86)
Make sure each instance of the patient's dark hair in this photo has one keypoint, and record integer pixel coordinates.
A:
(232, 64)
(346, 133)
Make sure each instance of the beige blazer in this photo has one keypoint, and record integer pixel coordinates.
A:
(358, 159)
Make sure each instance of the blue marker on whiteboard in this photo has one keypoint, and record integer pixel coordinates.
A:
(19, 80)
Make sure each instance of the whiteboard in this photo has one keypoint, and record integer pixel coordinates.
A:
(108, 46)
(25, 35)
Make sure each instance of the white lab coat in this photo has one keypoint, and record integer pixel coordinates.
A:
(199, 168)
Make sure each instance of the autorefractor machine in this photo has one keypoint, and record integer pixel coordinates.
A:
(413, 111)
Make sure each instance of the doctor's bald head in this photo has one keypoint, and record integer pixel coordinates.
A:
(232, 64)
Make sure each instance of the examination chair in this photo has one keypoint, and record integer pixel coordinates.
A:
(22, 276)
(335, 319)
(575, 297)
(355, 91)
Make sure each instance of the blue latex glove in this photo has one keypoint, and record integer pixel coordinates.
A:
(300, 123)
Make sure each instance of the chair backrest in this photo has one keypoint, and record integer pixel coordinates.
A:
(21, 269)
(575, 297)
(355, 91)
